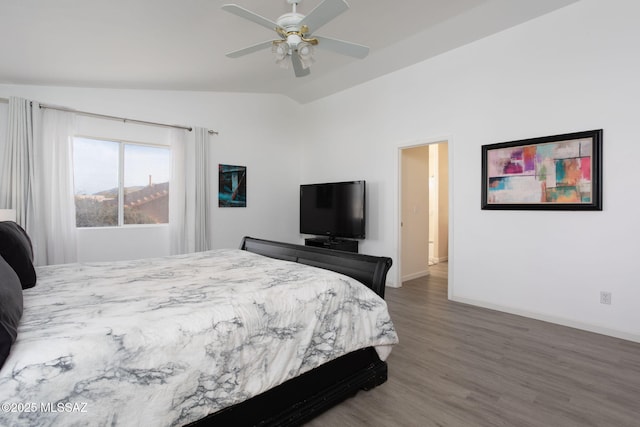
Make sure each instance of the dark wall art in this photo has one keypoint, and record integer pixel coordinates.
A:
(232, 186)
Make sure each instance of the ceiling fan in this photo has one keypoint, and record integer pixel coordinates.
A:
(297, 41)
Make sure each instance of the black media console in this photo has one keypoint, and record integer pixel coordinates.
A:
(336, 244)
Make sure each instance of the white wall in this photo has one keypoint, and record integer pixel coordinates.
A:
(253, 132)
(574, 69)
(442, 178)
(415, 208)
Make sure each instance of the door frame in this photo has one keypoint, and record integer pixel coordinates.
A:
(398, 202)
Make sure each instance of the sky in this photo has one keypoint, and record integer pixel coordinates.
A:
(96, 165)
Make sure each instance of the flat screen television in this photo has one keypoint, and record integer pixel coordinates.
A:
(335, 209)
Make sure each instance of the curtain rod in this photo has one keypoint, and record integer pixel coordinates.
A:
(105, 116)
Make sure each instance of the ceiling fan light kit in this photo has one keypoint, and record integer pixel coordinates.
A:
(297, 44)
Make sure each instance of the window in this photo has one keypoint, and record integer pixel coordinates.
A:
(120, 183)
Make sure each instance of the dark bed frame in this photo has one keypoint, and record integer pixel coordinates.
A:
(302, 398)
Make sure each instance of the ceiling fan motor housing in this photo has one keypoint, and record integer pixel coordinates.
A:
(290, 23)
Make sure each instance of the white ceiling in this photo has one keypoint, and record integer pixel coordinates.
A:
(181, 44)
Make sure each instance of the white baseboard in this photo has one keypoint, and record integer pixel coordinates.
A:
(553, 319)
(415, 275)
(434, 261)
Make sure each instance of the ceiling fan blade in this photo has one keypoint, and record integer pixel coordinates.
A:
(247, 14)
(298, 69)
(249, 49)
(342, 47)
(323, 13)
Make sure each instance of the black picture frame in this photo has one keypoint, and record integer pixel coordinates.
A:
(232, 186)
(560, 173)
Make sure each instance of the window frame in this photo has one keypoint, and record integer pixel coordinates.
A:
(121, 167)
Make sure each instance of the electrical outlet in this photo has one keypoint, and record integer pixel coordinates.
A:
(605, 297)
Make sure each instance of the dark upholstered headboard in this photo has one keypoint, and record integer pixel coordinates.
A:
(370, 270)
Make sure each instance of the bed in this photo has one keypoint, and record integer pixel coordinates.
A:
(190, 339)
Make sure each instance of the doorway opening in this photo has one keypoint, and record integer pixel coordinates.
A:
(423, 208)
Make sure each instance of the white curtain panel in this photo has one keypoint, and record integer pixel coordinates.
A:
(37, 179)
(178, 227)
(55, 205)
(190, 192)
(16, 179)
(203, 191)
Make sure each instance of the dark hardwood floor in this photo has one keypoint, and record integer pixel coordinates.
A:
(459, 365)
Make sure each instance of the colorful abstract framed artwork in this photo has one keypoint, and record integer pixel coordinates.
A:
(560, 172)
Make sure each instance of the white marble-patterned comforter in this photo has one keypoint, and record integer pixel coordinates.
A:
(166, 341)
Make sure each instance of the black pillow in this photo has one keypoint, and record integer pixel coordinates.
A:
(10, 308)
(16, 249)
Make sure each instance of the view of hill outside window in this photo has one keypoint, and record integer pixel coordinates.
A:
(120, 183)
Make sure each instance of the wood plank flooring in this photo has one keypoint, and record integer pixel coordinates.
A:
(459, 365)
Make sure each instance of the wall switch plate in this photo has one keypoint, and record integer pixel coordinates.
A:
(605, 297)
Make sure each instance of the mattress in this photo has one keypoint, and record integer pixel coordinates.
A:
(166, 341)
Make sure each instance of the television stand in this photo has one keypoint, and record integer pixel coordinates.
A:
(335, 244)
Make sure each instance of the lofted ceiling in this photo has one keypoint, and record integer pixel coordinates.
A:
(181, 44)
